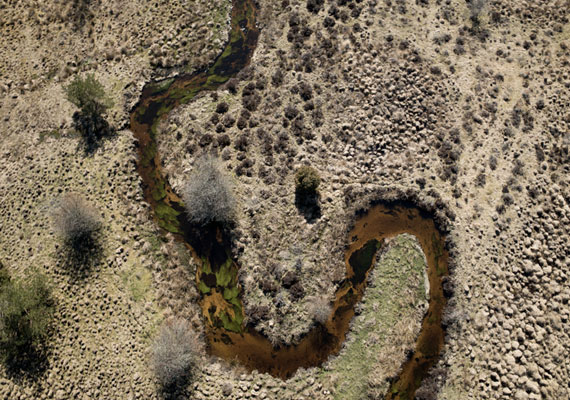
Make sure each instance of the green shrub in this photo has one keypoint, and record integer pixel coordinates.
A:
(26, 308)
(88, 94)
(307, 180)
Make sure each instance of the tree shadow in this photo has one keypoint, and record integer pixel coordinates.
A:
(27, 363)
(308, 205)
(94, 129)
(176, 390)
(80, 255)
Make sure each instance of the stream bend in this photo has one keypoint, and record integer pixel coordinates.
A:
(217, 273)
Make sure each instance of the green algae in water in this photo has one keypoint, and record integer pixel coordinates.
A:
(167, 217)
(225, 274)
(160, 87)
(203, 288)
(206, 269)
(231, 293)
(159, 191)
(235, 324)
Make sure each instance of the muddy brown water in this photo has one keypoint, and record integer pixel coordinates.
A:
(227, 336)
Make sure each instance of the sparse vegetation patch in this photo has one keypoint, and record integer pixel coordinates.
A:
(26, 309)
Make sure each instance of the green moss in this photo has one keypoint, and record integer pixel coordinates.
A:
(160, 87)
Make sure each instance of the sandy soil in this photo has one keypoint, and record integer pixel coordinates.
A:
(403, 96)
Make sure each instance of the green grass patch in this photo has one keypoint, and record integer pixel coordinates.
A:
(138, 281)
(398, 271)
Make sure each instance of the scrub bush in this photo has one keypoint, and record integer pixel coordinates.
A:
(208, 195)
(89, 96)
(26, 308)
(307, 180)
(174, 353)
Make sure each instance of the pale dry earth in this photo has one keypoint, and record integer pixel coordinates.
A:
(404, 96)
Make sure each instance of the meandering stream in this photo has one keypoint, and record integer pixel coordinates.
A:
(217, 273)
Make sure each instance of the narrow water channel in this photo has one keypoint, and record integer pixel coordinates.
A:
(216, 277)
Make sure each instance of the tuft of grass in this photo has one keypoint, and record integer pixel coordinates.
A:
(138, 280)
(55, 133)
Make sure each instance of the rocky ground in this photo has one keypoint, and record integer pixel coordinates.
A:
(45, 44)
(106, 313)
(374, 94)
(421, 98)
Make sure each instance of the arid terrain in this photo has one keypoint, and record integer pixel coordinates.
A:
(460, 108)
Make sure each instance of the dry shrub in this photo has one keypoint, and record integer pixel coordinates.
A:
(320, 309)
(208, 196)
(174, 353)
(75, 220)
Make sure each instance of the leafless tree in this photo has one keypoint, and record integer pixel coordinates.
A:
(75, 220)
(174, 352)
(208, 195)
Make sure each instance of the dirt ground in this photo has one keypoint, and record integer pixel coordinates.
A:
(465, 110)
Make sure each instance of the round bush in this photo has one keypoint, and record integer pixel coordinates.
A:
(75, 220)
(208, 196)
(174, 353)
(307, 180)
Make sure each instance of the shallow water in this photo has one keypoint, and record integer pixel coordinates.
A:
(217, 274)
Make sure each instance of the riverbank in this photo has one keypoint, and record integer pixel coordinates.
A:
(404, 96)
